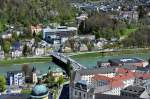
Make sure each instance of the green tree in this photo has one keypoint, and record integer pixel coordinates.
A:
(27, 12)
(6, 46)
(97, 35)
(2, 84)
(50, 80)
(139, 38)
(88, 43)
(60, 80)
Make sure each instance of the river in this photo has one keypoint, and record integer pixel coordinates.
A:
(89, 62)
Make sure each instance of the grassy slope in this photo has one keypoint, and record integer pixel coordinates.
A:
(128, 31)
(26, 91)
(122, 52)
(24, 60)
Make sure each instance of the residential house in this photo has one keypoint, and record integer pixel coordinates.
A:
(81, 90)
(2, 54)
(129, 15)
(7, 34)
(39, 51)
(15, 78)
(16, 50)
(15, 53)
(28, 42)
(36, 29)
(90, 37)
(42, 48)
(44, 44)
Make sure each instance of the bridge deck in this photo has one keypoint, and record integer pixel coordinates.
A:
(63, 58)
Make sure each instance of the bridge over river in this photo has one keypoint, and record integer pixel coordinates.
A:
(65, 59)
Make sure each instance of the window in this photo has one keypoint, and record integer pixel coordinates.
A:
(84, 95)
(80, 94)
(90, 96)
(75, 93)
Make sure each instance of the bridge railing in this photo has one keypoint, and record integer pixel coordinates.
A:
(64, 58)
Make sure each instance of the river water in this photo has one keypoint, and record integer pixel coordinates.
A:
(89, 62)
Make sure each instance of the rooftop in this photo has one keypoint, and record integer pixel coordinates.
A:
(60, 29)
(147, 68)
(39, 91)
(103, 96)
(82, 85)
(96, 71)
(126, 60)
(15, 72)
(100, 77)
(137, 90)
(116, 81)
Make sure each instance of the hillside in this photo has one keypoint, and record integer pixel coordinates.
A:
(25, 12)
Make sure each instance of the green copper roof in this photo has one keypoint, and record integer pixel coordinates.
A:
(39, 91)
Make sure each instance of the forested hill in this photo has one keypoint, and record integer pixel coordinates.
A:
(27, 12)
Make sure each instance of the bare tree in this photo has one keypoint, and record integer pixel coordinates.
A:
(26, 69)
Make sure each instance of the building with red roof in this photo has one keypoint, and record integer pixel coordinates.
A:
(107, 85)
(109, 81)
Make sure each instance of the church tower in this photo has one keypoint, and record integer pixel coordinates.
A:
(34, 75)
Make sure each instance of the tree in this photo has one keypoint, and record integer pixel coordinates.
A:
(2, 84)
(139, 38)
(25, 50)
(81, 27)
(15, 36)
(6, 46)
(50, 80)
(26, 69)
(97, 35)
(142, 12)
(60, 80)
(115, 23)
(27, 12)
(72, 44)
(88, 43)
(68, 68)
